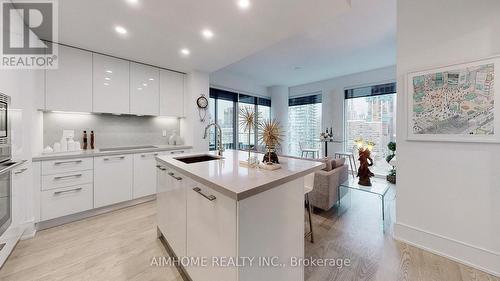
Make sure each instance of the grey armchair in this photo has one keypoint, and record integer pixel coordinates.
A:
(326, 183)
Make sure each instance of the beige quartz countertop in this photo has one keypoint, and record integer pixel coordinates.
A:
(232, 179)
(97, 152)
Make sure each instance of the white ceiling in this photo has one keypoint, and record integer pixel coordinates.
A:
(158, 29)
(362, 38)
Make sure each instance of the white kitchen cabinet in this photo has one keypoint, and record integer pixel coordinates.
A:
(20, 194)
(171, 93)
(111, 85)
(171, 208)
(211, 231)
(112, 179)
(66, 179)
(69, 87)
(144, 174)
(65, 201)
(67, 165)
(174, 152)
(144, 89)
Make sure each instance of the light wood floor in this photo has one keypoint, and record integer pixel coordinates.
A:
(121, 244)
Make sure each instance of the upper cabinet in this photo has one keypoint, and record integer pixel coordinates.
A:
(144, 89)
(69, 87)
(111, 85)
(89, 82)
(171, 93)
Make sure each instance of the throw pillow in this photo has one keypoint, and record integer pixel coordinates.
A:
(328, 163)
(339, 162)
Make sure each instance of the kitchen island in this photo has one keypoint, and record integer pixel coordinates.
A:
(228, 222)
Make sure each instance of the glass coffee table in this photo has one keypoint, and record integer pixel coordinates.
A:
(379, 187)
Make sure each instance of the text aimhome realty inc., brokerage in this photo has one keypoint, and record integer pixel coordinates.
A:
(28, 30)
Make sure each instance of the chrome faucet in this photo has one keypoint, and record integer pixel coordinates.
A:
(220, 147)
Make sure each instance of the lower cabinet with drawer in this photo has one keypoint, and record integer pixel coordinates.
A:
(113, 179)
(65, 201)
(70, 186)
(67, 165)
(66, 179)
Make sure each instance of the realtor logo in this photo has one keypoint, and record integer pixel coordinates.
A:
(28, 28)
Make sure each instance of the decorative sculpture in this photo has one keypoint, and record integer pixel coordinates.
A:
(248, 120)
(271, 136)
(365, 161)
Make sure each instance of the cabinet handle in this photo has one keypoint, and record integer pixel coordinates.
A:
(64, 191)
(176, 152)
(69, 176)
(111, 158)
(160, 167)
(68, 162)
(175, 177)
(209, 197)
(21, 171)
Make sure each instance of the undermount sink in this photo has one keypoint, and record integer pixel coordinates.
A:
(197, 158)
(127, 148)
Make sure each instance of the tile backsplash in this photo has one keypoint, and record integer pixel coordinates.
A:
(110, 130)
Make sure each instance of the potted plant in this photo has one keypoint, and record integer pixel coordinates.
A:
(391, 177)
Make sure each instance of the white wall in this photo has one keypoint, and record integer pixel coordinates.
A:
(333, 96)
(448, 194)
(279, 110)
(192, 129)
(233, 82)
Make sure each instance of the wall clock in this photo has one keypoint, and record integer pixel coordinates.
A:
(202, 103)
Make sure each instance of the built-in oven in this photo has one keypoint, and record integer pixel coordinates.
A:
(5, 148)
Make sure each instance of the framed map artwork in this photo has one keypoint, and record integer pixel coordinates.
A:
(455, 103)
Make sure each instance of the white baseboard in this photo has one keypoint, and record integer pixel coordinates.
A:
(90, 213)
(30, 231)
(473, 256)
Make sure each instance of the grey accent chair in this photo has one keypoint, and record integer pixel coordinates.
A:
(326, 183)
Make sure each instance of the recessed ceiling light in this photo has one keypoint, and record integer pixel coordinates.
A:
(243, 4)
(151, 79)
(107, 78)
(185, 52)
(144, 84)
(106, 84)
(109, 71)
(140, 89)
(207, 33)
(120, 30)
(133, 2)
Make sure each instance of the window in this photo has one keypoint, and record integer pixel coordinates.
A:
(264, 110)
(224, 112)
(304, 120)
(211, 112)
(251, 103)
(224, 108)
(370, 113)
